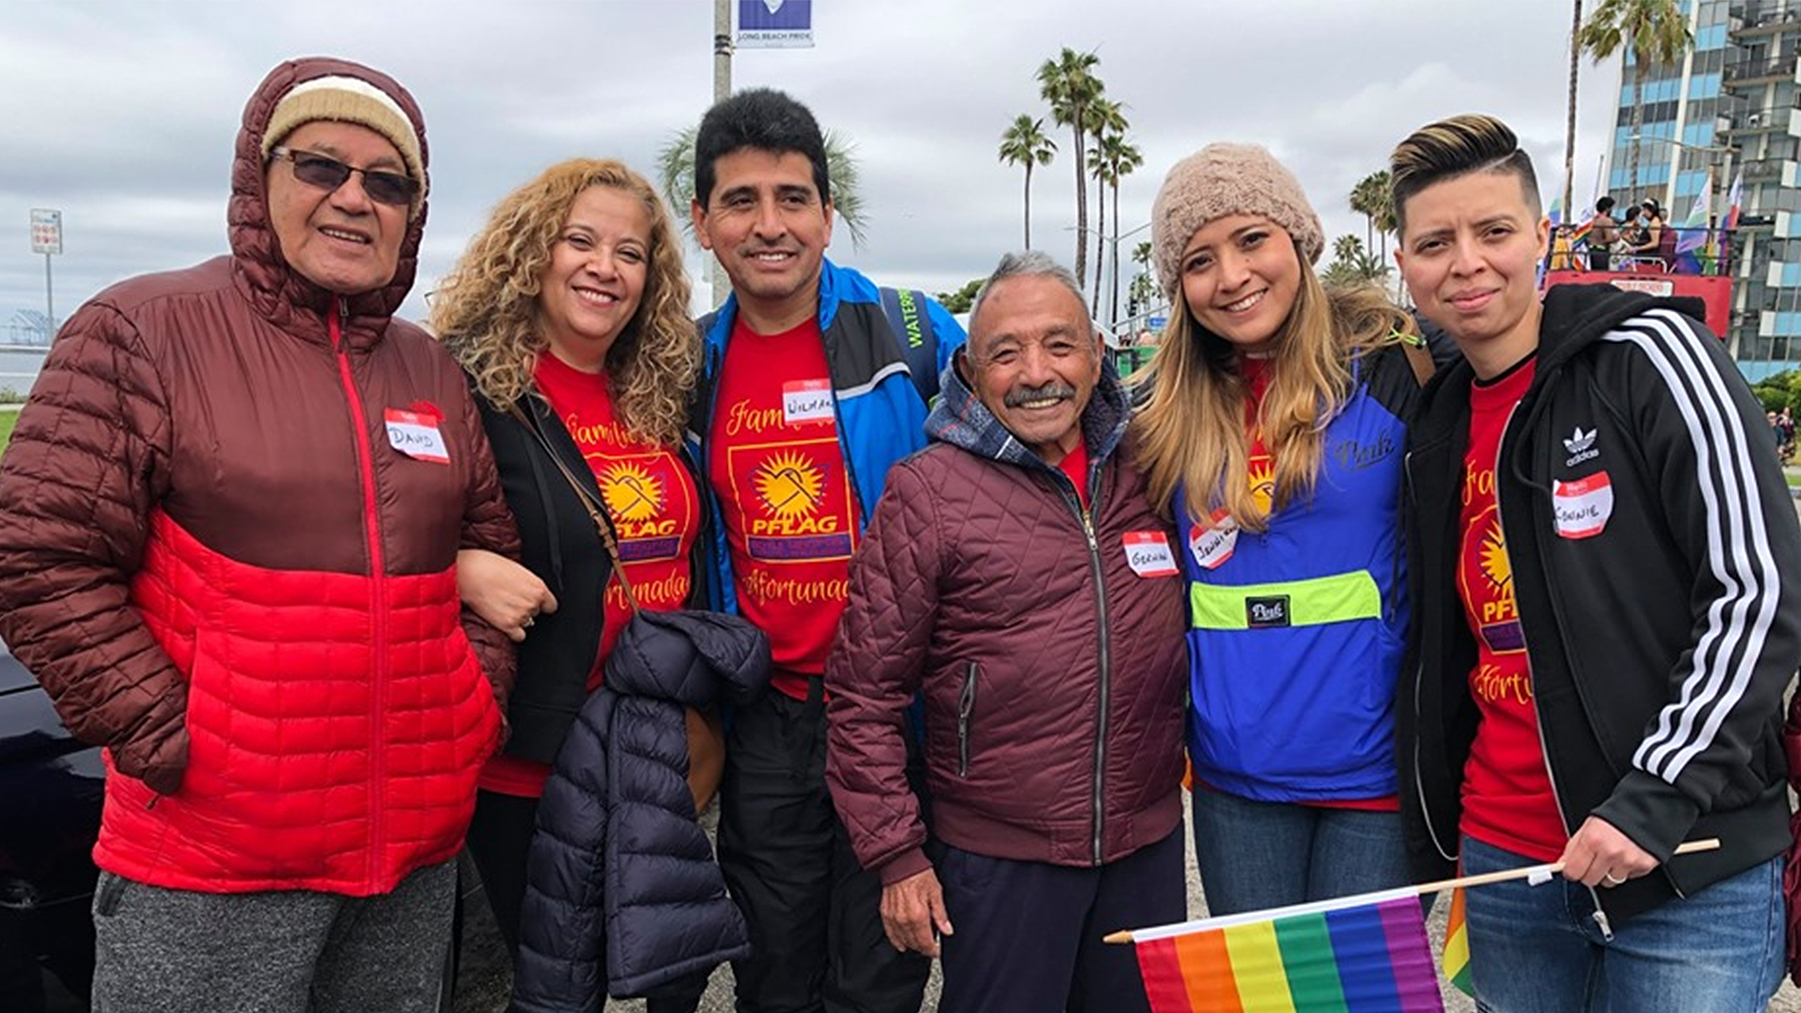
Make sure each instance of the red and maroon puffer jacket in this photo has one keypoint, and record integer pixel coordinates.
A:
(221, 570)
(1053, 673)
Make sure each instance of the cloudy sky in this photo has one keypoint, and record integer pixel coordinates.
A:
(123, 114)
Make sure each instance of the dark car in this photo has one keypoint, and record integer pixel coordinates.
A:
(50, 793)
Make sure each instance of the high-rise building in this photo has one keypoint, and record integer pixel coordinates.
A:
(1729, 109)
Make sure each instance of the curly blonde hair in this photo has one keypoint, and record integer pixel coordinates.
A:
(1191, 432)
(486, 309)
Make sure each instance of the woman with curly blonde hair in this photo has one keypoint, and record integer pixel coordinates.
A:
(1274, 432)
(569, 311)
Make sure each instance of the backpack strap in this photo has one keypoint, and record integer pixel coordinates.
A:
(913, 333)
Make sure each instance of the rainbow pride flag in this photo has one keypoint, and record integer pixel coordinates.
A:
(1362, 954)
(1457, 946)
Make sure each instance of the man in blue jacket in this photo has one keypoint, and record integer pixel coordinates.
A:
(815, 382)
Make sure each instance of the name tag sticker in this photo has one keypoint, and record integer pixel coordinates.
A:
(1148, 553)
(1213, 545)
(416, 436)
(1583, 506)
(807, 401)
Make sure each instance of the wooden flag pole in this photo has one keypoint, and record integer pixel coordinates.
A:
(1525, 872)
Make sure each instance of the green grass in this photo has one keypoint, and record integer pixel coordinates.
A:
(7, 420)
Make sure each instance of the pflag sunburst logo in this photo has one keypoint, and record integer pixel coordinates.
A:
(632, 493)
(790, 485)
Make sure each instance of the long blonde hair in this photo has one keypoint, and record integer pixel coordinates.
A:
(1192, 433)
(487, 307)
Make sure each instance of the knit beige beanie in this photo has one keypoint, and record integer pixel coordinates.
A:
(348, 100)
(1228, 179)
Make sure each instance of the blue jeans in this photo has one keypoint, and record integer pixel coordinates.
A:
(1256, 855)
(1537, 949)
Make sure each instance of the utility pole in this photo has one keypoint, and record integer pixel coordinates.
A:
(722, 90)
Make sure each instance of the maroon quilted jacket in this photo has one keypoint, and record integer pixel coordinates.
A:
(220, 568)
(1053, 674)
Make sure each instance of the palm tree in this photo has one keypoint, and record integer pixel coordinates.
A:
(1371, 199)
(1069, 84)
(675, 172)
(1120, 160)
(1569, 127)
(1024, 143)
(1143, 288)
(1106, 118)
(1351, 264)
(1648, 32)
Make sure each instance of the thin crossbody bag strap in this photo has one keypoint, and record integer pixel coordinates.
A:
(603, 524)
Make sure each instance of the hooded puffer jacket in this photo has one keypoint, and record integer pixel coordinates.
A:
(620, 872)
(221, 569)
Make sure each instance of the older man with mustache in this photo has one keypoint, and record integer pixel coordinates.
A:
(1017, 577)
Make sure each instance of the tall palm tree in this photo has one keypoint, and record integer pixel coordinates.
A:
(675, 172)
(1648, 32)
(1569, 127)
(1106, 118)
(1121, 160)
(1372, 199)
(1024, 143)
(1068, 82)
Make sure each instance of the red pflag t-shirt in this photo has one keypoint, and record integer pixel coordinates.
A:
(1507, 797)
(785, 496)
(655, 507)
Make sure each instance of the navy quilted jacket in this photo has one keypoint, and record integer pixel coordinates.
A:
(620, 869)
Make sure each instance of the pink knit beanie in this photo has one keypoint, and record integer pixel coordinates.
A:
(1228, 179)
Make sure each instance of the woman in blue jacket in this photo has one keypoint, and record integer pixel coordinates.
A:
(1274, 430)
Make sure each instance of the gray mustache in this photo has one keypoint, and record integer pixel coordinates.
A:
(1060, 391)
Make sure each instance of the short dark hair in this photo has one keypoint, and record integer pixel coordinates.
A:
(1457, 147)
(1604, 205)
(764, 119)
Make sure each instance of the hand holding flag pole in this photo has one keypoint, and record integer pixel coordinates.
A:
(1366, 952)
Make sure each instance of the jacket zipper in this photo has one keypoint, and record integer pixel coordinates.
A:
(359, 420)
(1103, 651)
(1544, 752)
(966, 709)
(1419, 682)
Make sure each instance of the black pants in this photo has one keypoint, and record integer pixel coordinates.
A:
(1028, 935)
(814, 914)
(500, 839)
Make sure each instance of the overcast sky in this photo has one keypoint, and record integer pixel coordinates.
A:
(123, 114)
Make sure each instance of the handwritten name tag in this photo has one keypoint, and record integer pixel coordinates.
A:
(1582, 507)
(807, 401)
(1148, 553)
(416, 436)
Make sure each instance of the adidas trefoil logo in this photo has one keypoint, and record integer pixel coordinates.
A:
(1581, 446)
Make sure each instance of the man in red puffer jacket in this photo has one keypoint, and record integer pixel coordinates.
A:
(233, 507)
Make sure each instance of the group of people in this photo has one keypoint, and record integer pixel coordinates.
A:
(283, 553)
(1639, 235)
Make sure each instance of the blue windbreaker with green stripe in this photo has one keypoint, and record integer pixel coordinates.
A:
(1295, 640)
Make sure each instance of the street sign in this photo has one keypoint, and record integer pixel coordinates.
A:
(1156, 323)
(46, 231)
(775, 24)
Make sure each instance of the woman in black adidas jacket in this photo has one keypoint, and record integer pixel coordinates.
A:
(1655, 559)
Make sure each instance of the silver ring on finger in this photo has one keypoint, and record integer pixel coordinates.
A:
(526, 623)
(1608, 877)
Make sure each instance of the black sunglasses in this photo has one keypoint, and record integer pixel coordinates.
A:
(328, 174)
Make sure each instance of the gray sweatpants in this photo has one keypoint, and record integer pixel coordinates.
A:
(179, 951)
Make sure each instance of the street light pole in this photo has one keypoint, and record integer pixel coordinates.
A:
(722, 90)
(1113, 307)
